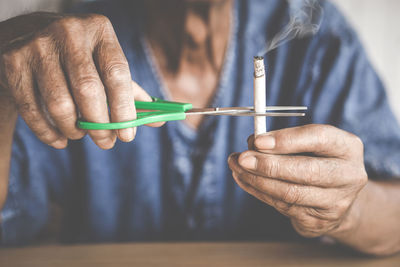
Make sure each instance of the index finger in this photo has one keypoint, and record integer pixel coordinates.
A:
(316, 171)
(322, 140)
(89, 95)
(116, 76)
(291, 193)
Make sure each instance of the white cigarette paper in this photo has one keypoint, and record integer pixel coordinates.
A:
(260, 125)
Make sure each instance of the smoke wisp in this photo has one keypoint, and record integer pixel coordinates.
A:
(305, 17)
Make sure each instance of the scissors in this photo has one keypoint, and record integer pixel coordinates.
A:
(162, 111)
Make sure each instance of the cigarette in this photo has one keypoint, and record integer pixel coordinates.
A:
(260, 126)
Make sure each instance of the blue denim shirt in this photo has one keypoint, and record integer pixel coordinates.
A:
(173, 183)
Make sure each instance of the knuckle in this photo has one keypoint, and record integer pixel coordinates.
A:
(11, 62)
(283, 138)
(313, 212)
(315, 171)
(67, 23)
(121, 106)
(86, 87)
(330, 169)
(41, 42)
(117, 71)
(314, 167)
(7, 70)
(8, 58)
(269, 167)
(40, 49)
(62, 109)
(67, 31)
(100, 20)
(332, 212)
(282, 206)
(100, 24)
(358, 174)
(291, 195)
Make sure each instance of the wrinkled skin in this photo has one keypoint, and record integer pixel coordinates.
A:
(315, 190)
(65, 65)
(54, 66)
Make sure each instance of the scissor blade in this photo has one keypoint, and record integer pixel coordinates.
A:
(213, 111)
(247, 111)
(268, 108)
(266, 114)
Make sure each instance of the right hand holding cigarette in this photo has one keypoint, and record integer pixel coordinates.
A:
(313, 174)
(54, 66)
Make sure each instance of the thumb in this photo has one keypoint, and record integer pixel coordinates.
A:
(141, 95)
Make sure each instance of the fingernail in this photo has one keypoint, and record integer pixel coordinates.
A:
(126, 135)
(59, 144)
(249, 162)
(106, 143)
(265, 142)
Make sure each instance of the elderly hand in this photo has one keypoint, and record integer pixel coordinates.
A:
(54, 67)
(312, 174)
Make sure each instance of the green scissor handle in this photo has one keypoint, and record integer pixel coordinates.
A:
(162, 111)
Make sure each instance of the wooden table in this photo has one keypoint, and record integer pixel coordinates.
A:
(189, 254)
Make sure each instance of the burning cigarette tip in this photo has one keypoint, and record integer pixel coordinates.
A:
(259, 67)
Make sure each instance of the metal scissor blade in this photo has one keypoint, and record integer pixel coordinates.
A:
(247, 111)
(266, 114)
(213, 111)
(274, 108)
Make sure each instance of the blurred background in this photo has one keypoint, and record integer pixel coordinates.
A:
(377, 22)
